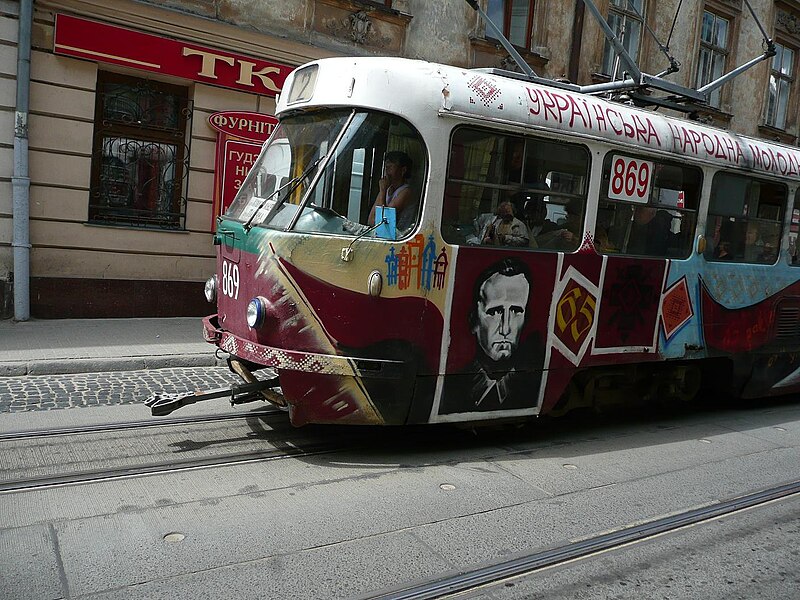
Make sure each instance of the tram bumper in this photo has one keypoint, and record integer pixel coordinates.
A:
(327, 388)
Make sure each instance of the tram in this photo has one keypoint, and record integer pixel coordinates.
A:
(421, 243)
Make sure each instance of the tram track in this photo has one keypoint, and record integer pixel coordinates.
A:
(41, 459)
(485, 577)
(143, 424)
(173, 466)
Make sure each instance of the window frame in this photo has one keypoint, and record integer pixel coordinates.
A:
(496, 186)
(626, 13)
(726, 52)
(508, 7)
(745, 218)
(794, 229)
(122, 129)
(790, 81)
(692, 206)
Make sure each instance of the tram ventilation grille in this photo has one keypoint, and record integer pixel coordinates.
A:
(788, 323)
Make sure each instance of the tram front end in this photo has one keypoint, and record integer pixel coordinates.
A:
(323, 278)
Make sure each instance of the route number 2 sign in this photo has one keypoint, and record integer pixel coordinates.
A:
(630, 179)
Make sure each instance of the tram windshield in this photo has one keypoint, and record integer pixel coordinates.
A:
(321, 172)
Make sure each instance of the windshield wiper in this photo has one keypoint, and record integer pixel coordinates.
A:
(294, 183)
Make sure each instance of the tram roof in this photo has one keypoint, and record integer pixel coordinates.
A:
(420, 91)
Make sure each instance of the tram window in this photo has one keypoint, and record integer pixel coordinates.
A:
(343, 195)
(794, 228)
(538, 185)
(647, 207)
(745, 218)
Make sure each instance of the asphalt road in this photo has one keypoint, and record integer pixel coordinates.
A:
(377, 509)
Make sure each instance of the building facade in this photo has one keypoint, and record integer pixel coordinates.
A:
(144, 115)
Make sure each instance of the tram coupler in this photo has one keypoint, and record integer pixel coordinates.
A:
(164, 404)
(243, 370)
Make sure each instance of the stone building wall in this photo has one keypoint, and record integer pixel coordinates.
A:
(565, 42)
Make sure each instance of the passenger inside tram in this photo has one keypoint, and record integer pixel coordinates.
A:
(564, 234)
(534, 214)
(505, 229)
(650, 232)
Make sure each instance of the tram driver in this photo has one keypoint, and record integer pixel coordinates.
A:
(394, 190)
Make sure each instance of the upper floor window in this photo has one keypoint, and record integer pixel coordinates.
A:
(745, 219)
(514, 18)
(780, 84)
(713, 53)
(507, 190)
(647, 207)
(139, 160)
(625, 17)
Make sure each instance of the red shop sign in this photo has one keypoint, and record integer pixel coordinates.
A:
(251, 126)
(238, 158)
(97, 41)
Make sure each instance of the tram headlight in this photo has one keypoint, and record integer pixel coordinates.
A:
(211, 289)
(256, 312)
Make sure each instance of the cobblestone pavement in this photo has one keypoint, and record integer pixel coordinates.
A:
(48, 392)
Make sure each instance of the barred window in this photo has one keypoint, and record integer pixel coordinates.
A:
(625, 17)
(140, 156)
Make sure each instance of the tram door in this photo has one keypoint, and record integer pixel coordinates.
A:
(744, 272)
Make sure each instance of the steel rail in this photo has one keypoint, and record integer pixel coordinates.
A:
(174, 465)
(495, 573)
(152, 422)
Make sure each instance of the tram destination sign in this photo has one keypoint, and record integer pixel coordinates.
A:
(93, 40)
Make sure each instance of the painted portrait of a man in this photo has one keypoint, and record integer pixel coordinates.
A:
(506, 371)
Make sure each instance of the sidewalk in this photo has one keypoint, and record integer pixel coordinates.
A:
(60, 346)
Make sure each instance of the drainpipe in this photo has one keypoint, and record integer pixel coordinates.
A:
(577, 38)
(20, 181)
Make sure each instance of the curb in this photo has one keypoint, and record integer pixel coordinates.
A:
(72, 366)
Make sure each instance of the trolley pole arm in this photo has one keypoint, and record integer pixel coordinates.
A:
(710, 87)
(769, 52)
(526, 68)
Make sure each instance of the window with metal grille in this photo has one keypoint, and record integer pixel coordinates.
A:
(514, 18)
(713, 53)
(626, 19)
(780, 84)
(140, 156)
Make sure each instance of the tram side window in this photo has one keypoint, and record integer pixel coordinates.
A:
(745, 216)
(647, 208)
(513, 191)
(794, 228)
